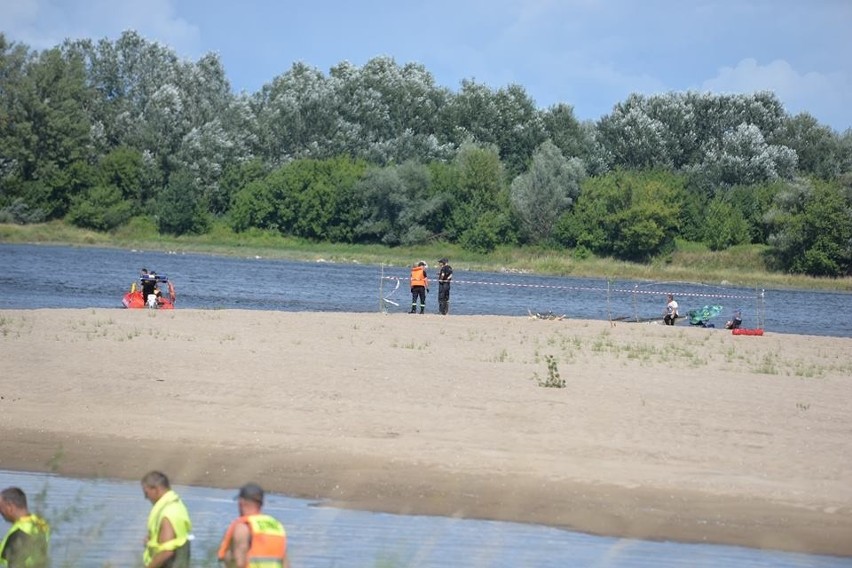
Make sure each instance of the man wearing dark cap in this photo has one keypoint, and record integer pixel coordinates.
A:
(419, 286)
(253, 540)
(445, 275)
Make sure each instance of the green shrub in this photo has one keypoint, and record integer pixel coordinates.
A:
(553, 379)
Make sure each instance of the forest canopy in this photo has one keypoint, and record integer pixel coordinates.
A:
(98, 133)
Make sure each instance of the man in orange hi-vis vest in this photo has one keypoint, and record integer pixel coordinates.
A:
(419, 286)
(254, 540)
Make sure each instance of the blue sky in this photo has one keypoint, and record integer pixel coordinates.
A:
(590, 54)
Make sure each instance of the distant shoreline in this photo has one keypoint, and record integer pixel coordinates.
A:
(738, 267)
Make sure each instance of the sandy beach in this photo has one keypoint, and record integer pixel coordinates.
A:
(660, 432)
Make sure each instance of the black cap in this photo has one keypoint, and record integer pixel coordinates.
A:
(443, 261)
(251, 492)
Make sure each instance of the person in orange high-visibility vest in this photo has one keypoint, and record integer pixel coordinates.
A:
(254, 540)
(419, 286)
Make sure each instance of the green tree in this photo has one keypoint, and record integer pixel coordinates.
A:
(388, 113)
(45, 131)
(812, 228)
(101, 208)
(678, 130)
(506, 119)
(256, 206)
(724, 225)
(631, 215)
(180, 115)
(329, 209)
(179, 211)
(116, 195)
(123, 169)
(744, 158)
(235, 177)
(313, 199)
(634, 138)
(754, 202)
(480, 202)
(400, 205)
(566, 132)
(443, 181)
(817, 147)
(297, 117)
(13, 61)
(484, 236)
(548, 189)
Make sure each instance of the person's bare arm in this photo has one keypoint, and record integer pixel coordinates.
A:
(167, 533)
(240, 543)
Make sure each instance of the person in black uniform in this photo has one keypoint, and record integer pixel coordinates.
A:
(445, 276)
(148, 284)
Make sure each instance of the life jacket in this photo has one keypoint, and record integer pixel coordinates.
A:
(418, 276)
(171, 507)
(268, 541)
(39, 532)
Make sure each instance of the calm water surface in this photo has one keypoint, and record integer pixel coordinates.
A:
(107, 519)
(34, 276)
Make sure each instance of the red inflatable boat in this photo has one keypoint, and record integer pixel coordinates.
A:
(134, 300)
(745, 331)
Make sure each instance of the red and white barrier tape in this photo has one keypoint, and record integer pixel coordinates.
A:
(604, 290)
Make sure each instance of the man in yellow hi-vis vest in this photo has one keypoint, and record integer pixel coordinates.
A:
(169, 526)
(25, 545)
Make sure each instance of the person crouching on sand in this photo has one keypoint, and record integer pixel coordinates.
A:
(671, 311)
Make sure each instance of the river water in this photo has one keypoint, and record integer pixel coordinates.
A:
(33, 276)
(99, 523)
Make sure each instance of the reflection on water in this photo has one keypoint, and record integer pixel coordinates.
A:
(99, 523)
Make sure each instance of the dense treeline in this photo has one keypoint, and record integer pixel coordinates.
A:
(98, 133)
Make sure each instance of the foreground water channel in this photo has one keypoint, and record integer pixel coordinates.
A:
(35, 276)
(101, 523)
